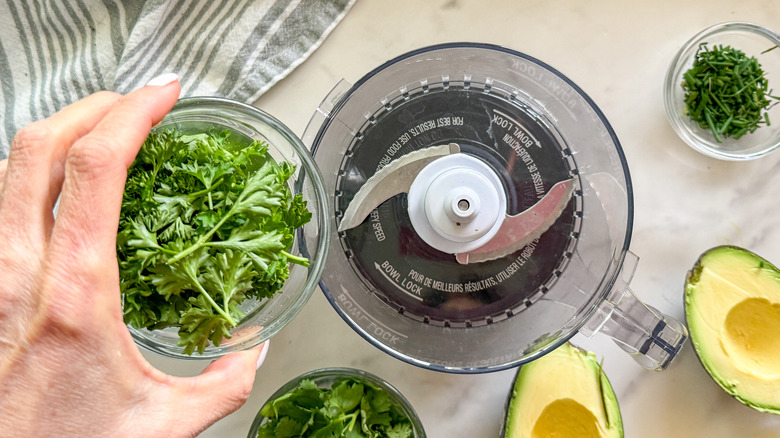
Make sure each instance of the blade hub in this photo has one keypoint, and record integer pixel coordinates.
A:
(462, 205)
(457, 203)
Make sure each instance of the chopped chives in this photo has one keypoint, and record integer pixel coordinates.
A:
(726, 92)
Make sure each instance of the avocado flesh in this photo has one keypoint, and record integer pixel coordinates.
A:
(732, 307)
(563, 394)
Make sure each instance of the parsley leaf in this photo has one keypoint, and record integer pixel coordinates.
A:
(206, 223)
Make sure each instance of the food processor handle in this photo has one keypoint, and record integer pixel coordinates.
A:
(651, 337)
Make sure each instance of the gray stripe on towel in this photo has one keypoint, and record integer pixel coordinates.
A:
(271, 64)
(25, 25)
(179, 59)
(215, 49)
(67, 48)
(234, 73)
(137, 67)
(7, 87)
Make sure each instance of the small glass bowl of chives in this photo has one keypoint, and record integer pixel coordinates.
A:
(722, 91)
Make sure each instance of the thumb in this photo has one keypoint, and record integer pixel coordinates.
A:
(222, 387)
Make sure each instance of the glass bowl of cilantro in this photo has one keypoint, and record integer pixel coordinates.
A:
(223, 230)
(337, 402)
(722, 91)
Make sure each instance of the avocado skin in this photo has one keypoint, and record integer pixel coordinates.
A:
(691, 282)
(609, 399)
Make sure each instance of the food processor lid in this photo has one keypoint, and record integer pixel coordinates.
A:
(459, 205)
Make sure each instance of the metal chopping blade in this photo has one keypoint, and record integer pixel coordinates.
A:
(523, 228)
(515, 232)
(391, 180)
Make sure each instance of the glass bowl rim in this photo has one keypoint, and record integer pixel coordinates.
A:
(317, 265)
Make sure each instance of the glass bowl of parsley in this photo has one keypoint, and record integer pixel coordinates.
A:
(719, 94)
(337, 402)
(223, 230)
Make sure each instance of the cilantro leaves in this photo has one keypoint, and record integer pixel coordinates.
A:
(351, 408)
(206, 223)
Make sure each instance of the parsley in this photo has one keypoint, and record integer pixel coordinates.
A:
(726, 92)
(206, 223)
(350, 408)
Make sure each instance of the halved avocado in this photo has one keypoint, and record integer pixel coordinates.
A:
(732, 306)
(563, 394)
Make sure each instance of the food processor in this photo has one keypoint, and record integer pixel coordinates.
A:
(482, 213)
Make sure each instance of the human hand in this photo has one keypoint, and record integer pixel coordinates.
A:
(68, 365)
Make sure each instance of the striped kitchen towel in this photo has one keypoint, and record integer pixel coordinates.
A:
(54, 52)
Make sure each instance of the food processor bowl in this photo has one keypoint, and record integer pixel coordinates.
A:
(533, 128)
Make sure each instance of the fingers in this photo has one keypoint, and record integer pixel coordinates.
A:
(220, 389)
(34, 167)
(96, 168)
(3, 167)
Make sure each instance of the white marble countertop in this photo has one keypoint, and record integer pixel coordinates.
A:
(685, 203)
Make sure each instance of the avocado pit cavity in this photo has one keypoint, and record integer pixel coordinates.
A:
(566, 418)
(752, 337)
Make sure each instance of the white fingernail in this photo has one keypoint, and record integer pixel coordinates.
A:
(163, 79)
(263, 354)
